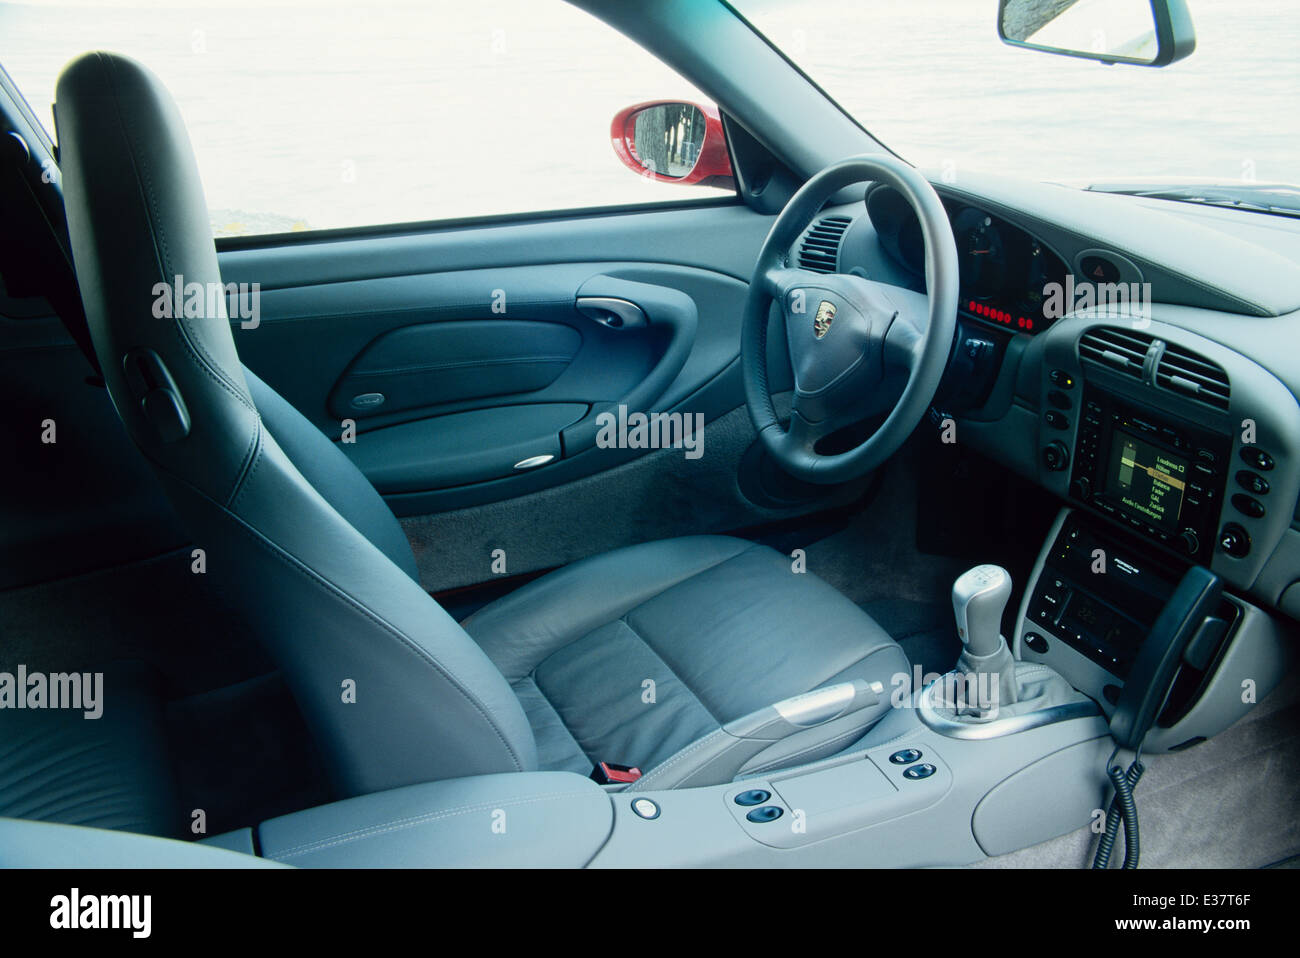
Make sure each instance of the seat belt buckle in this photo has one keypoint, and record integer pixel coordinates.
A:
(607, 773)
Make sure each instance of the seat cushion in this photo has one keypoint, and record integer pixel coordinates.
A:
(107, 772)
(632, 656)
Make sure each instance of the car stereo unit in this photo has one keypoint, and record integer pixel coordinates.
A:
(1163, 478)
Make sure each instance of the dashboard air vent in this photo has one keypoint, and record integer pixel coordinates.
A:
(1121, 350)
(820, 250)
(1191, 375)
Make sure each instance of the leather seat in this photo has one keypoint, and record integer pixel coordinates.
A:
(721, 627)
(109, 772)
(395, 691)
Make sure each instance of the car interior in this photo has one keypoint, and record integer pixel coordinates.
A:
(858, 516)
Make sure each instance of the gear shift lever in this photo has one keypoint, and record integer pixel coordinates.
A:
(978, 598)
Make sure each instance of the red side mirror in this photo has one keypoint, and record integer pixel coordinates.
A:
(673, 142)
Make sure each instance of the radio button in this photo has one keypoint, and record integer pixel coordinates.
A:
(1248, 506)
(1057, 420)
(1257, 458)
(1190, 541)
(1234, 540)
(1252, 482)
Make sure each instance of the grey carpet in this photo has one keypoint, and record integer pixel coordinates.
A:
(875, 557)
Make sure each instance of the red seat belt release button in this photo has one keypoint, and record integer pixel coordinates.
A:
(607, 773)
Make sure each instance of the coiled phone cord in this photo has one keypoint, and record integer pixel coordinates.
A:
(1122, 806)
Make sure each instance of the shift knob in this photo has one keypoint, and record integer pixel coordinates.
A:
(978, 597)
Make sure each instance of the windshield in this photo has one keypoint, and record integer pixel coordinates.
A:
(932, 81)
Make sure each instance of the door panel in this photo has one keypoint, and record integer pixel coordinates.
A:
(500, 324)
(443, 445)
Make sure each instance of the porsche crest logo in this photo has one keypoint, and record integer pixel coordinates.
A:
(825, 316)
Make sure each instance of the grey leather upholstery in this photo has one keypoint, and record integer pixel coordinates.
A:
(110, 772)
(538, 820)
(722, 627)
(395, 690)
(332, 606)
(46, 845)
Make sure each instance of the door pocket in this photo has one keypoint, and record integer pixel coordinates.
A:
(433, 363)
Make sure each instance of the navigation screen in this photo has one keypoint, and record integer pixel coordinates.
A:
(1147, 480)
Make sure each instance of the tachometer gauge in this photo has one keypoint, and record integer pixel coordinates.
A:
(980, 249)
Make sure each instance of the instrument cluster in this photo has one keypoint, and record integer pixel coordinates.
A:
(1006, 273)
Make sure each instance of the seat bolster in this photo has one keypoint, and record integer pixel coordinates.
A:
(332, 474)
(393, 688)
(521, 630)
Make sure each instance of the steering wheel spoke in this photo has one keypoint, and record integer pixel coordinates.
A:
(848, 337)
(777, 280)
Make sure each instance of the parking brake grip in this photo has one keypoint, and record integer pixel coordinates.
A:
(720, 756)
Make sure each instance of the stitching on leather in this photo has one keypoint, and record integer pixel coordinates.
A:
(466, 364)
(531, 678)
(663, 767)
(252, 459)
(582, 747)
(523, 596)
(144, 183)
(457, 310)
(829, 743)
(334, 591)
(394, 825)
(667, 665)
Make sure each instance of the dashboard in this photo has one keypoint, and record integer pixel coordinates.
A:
(1174, 419)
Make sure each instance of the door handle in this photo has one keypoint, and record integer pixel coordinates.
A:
(612, 311)
(653, 307)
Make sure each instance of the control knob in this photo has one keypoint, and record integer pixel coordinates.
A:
(1056, 456)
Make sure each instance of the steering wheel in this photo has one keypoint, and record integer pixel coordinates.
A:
(849, 338)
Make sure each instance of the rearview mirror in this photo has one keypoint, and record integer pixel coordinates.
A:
(1150, 33)
(673, 142)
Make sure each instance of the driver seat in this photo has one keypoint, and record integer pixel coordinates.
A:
(637, 657)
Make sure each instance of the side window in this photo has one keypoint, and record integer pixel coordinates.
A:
(310, 115)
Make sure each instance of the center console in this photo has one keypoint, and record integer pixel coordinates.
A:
(1094, 595)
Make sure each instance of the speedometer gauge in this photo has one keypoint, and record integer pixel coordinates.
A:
(982, 252)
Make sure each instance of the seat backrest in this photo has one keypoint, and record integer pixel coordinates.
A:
(394, 689)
